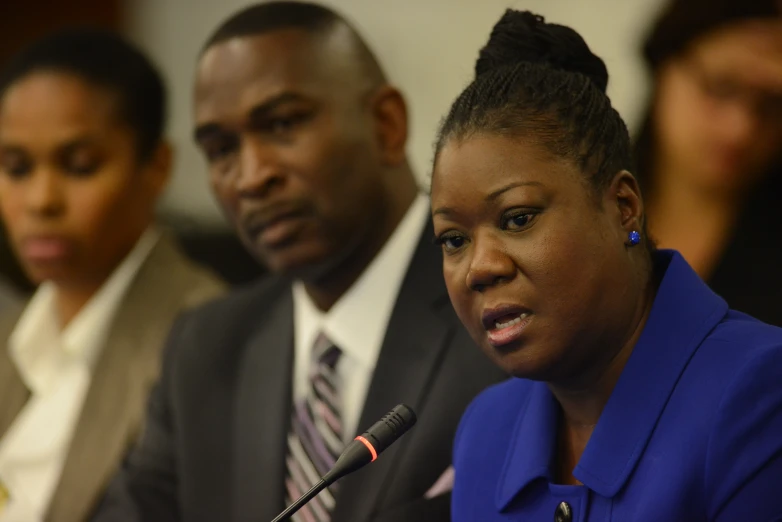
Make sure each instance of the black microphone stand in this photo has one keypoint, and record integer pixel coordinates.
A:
(360, 452)
(309, 495)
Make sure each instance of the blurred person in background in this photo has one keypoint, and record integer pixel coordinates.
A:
(306, 144)
(710, 152)
(83, 162)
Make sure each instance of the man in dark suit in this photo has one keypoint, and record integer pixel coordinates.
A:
(305, 140)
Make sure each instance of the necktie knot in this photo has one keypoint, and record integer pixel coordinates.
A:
(325, 352)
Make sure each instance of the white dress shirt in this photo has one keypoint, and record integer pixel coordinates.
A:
(358, 320)
(56, 365)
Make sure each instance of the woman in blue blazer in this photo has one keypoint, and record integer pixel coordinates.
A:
(639, 396)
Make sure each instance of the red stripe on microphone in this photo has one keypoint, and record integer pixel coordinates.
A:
(369, 446)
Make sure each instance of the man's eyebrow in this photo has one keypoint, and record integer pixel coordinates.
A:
(206, 131)
(272, 103)
(210, 129)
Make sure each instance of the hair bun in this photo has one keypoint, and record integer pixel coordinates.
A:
(521, 36)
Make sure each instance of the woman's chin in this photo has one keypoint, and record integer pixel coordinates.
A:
(524, 364)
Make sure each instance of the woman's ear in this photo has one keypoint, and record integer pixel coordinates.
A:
(626, 195)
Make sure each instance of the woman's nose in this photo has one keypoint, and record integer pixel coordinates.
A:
(490, 265)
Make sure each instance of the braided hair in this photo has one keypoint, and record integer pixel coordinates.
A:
(540, 81)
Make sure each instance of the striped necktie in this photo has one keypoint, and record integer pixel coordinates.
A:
(315, 441)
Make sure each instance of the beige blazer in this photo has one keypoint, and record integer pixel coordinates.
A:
(115, 405)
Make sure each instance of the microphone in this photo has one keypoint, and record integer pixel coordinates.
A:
(361, 451)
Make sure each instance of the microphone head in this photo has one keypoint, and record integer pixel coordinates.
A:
(366, 447)
(393, 425)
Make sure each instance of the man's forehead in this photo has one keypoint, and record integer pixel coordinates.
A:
(284, 55)
(248, 69)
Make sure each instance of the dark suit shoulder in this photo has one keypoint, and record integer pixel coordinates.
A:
(215, 332)
(241, 303)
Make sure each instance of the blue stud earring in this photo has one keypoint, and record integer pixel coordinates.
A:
(634, 238)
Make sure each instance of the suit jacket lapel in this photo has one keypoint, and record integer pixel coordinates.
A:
(13, 391)
(415, 341)
(127, 367)
(106, 427)
(263, 406)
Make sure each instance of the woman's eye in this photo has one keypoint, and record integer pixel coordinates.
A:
(81, 168)
(15, 165)
(17, 170)
(518, 221)
(79, 160)
(281, 125)
(451, 243)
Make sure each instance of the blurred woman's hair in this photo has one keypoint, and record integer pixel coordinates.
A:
(681, 24)
(684, 21)
(108, 61)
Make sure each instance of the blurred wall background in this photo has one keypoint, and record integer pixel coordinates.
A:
(427, 46)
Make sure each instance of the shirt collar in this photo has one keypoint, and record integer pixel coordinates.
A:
(358, 320)
(37, 336)
(684, 311)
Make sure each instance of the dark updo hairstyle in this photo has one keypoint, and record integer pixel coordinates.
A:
(540, 81)
(106, 60)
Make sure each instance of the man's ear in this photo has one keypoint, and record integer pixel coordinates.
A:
(389, 111)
